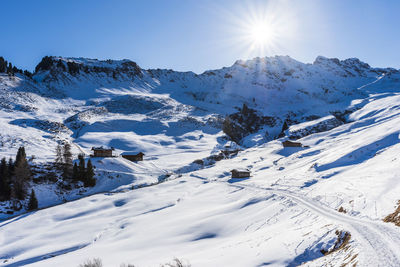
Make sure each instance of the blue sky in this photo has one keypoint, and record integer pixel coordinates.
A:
(198, 35)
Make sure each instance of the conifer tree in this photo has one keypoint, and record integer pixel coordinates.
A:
(285, 126)
(67, 159)
(5, 189)
(21, 155)
(33, 202)
(81, 167)
(3, 65)
(11, 168)
(27, 73)
(75, 173)
(22, 175)
(89, 177)
(58, 162)
(9, 68)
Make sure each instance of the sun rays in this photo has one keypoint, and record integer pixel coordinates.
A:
(260, 30)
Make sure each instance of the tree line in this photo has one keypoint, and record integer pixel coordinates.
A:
(7, 67)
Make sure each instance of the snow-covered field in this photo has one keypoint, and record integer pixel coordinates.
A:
(283, 215)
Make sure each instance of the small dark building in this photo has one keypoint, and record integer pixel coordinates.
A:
(133, 156)
(236, 173)
(288, 143)
(102, 152)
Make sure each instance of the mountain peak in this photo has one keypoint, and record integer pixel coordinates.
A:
(74, 65)
(275, 60)
(54, 66)
(321, 60)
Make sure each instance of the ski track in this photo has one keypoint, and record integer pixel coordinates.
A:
(380, 241)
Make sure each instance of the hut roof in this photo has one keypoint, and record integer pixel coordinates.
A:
(102, 148)
(240, 170)
(288, 142)
(131, 153)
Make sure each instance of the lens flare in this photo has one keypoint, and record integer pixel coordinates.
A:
(261, 29)
(261, 33)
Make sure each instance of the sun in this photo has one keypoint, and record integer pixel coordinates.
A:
(261, 33)
(259, 29)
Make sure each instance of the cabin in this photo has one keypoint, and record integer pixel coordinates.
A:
(288, 143)
(133, 156)
(237, 173)
(102, 152)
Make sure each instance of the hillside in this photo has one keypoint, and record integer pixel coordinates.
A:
(181, 201)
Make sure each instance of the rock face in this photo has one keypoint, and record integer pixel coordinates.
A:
(245, 122)
(74, 66)
(320, 125)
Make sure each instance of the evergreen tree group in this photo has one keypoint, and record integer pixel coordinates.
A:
(14, 176)
(76, 172)
(63, 160)
(7, 67)
(84, 173)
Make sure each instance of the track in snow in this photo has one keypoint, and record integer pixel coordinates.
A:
(380, 241)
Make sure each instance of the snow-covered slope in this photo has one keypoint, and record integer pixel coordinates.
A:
(345, 114)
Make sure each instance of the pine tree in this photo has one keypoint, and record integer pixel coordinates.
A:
(21, 155)
(11, 168)
(285, 126)
(27, 73)
(22, 175)
(75, 173)
(10, 69)
(33, 202)
(89, 177)
(67, 159)
(3, 65)
(5, 189)
(81, 167)
(58, 162)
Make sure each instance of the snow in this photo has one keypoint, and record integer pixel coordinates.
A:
(319, 125)
(146, 213)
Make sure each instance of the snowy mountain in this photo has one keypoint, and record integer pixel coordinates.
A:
(181, 201)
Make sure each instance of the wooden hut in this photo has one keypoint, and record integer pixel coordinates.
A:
(237, 173)
(288, 143)
(102, 152)
(133, 156)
